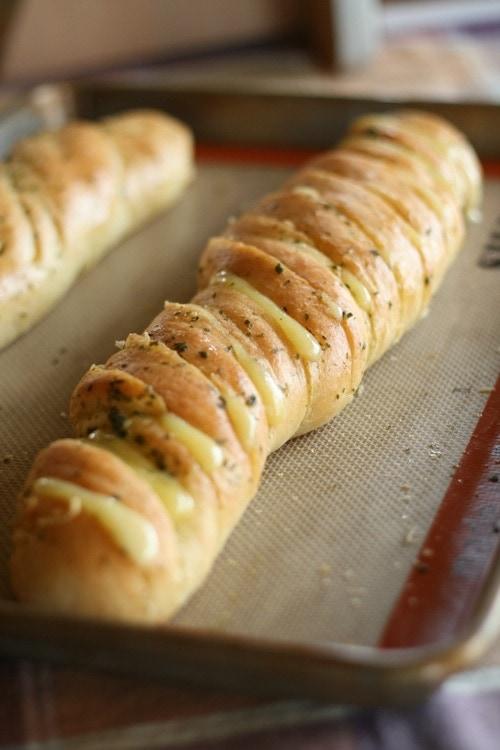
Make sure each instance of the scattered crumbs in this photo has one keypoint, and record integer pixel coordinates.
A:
(425, 312)
(494, 478)
(475, 215)
(406, 450)
(63, 414)
(405, 487)
(486, 390)
(427, 552)
(120, 344)
(462, 389)
(393, 358)
(435, 451)
(412, 601)
(359, 390)
(411, 535)
(404, 516)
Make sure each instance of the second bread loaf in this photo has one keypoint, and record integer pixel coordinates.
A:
(66, 197)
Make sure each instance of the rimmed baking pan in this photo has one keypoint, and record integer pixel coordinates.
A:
(367, 568)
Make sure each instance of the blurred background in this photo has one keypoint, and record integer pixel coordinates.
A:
(437, 48)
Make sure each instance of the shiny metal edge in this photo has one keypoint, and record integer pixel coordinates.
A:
(333, 672)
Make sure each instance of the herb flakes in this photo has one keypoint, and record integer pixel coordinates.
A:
(180, 346)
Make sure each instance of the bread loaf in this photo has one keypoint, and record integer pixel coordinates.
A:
(296, 299)
(67, 197)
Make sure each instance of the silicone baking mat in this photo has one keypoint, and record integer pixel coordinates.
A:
(324, 549)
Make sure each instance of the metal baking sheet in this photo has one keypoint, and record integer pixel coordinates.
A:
(308, 582)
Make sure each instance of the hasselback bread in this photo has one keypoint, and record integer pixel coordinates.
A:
(66, 197)
(296, 299)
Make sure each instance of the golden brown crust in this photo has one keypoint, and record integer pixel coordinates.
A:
(336, 372)
(66, 197)
(207, 350)
(381, 224)
(345, 245)
(296, 299)
(426, 229)
(240, 320)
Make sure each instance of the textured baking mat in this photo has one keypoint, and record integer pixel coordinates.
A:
(324, 549)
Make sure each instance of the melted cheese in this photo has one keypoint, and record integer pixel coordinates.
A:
(135, 535)
(268, 389)
(302, 341)
(203, 448)
(241, 416)
(175, 498)
(334, 309)
(358, 290)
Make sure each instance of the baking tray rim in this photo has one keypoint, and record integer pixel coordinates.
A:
(319, 117)
(366, 675)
